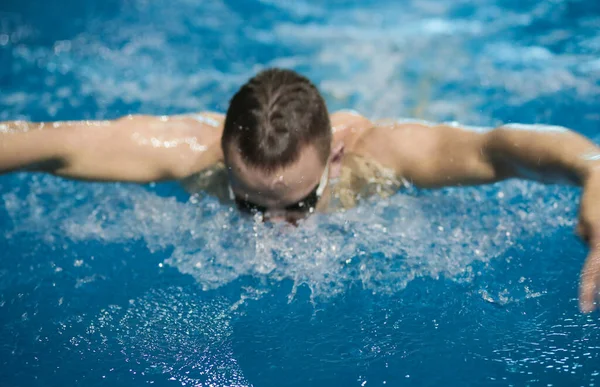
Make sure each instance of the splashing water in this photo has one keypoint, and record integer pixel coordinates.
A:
(381, 245)
(132, 285)
(168, 332)
(191, 333)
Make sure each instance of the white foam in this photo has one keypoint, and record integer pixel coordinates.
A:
(167, 332)
(389, 59)
(381, 245)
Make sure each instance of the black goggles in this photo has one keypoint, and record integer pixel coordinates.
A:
(305, 205)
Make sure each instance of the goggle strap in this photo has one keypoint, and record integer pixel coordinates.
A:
(323, 181)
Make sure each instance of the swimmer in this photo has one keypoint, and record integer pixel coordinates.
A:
(279, 153)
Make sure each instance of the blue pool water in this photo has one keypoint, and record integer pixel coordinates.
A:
(136, 285)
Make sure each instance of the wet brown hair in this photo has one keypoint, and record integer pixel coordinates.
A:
(273, 116)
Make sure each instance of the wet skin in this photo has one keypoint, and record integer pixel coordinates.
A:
(144, 149)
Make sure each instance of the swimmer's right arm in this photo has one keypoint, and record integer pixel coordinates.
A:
(137, 149)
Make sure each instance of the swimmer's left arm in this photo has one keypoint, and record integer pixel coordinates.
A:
(442, 155)
(554, 154)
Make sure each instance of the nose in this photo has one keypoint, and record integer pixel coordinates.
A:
(281, 217)
(275, 216)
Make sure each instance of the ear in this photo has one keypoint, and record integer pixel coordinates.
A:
(335, 160)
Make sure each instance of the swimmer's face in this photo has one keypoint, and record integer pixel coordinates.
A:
(291, 193)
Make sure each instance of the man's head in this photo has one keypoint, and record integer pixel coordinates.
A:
(277, 142)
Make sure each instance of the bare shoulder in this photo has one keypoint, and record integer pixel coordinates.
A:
(348, 126)
(210, 119)
(207, 121)
(349, 118)
(406, 145)
(391, 143)
(194, 138)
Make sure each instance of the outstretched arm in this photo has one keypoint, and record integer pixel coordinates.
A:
(134, 148)
(434, 156)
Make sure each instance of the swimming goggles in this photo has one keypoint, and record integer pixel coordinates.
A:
(305, 205)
